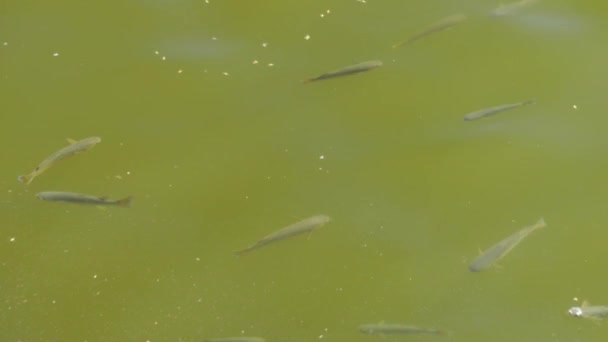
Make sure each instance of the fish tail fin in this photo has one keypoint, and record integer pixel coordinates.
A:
(25, 179)
(531, 101)
(241, 252)
(541, 222)
(125, 202)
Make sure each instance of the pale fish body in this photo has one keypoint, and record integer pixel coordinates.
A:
(297, 228)
(68, 151)
(495, 110)
(396, 329)
(71, 197)
(438, 26)
(236, 339)
(594, 312)
(508, 9)
(499, 250)
(349, 70)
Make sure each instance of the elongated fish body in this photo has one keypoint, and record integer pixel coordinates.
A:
(237, 339)
(68, 151)
(594, 312)
(349, 70)
(396, 329)
(71, 197)
(495, 110)
(438, 26)
(297, 228)
(511, 8)
(499, 250)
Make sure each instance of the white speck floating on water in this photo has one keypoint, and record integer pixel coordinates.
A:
(213, 38)
(5, 44)
(270, 64)
(180, 71)
(156, 52)
(362, 1)
(264, 44)
(225, 73)
(163, 58)
(574, 106)
(255, 61)
(321, 157)
(55, 54)
(307, 37)
(12, 239)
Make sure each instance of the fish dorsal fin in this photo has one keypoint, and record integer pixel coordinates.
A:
(71, 141)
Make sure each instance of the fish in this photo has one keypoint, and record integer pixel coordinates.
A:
(236, 339)
(438, 26)
(72, 197)
(499, 250)
(396, 329)
(349, 70)
(301, 227)
(511, 8)
(587, 311)
(495, 110)
(68, 151)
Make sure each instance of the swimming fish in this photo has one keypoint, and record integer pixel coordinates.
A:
(495, 110)
(297, 228)
(587, 311)
(349, 70)
(68, 151)
(396, 329)
(438, 26)
(511, 8)
(499, 250)
(72, 197)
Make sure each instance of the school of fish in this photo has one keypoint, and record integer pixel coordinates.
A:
(484, 261)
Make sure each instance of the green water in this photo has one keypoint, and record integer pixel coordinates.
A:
(219, 152)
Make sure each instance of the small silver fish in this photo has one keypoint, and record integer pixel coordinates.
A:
(511, 8)
(237, 339)
(499, 250)
(68, 151)
(438, 26)
(71, 197)
(396, 329)
(495, 110)
(585, 311)
(297, 228)
(349, 70)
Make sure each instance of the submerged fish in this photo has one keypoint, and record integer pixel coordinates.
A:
(68, 151)
(396, 329)
(237, 339)
(72, 197)
(297, 228)
(349, 70)
(586, 311)
(495, 110)
(499, 250)
(440, 25)
(508, 9)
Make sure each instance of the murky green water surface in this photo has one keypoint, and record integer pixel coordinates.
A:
(205, 121)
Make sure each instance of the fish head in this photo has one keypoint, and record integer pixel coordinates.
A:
(575, 311)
